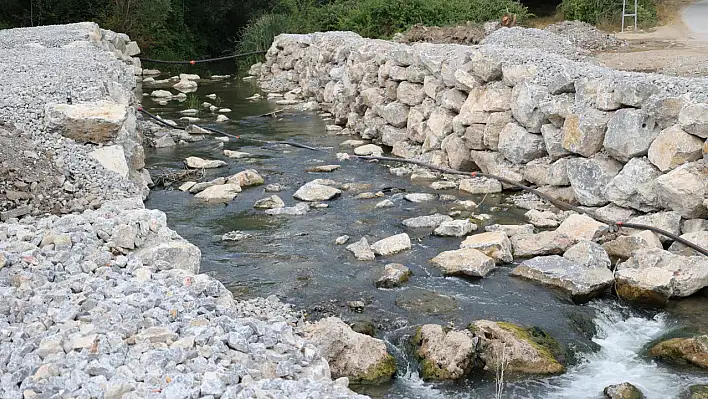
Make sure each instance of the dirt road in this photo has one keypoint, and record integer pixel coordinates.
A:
(679, 48)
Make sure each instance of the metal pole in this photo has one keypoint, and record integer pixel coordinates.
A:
(624, 7)
(636, 9)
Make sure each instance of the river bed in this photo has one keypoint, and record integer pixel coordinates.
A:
(296, 258)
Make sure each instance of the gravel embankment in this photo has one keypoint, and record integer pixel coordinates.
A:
(108, 303)
(45, 65)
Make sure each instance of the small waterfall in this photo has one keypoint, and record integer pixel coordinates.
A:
(621, 338)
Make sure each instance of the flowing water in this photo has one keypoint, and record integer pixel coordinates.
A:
(295, 258)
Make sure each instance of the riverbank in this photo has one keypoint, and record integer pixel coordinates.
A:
(101, 298)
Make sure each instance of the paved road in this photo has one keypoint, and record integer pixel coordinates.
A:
(696, 19)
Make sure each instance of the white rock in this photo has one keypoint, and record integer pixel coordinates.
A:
(112, 158)
(465, 261)
(392, 245)
(219, 193)
(199, 163)
(494, 244)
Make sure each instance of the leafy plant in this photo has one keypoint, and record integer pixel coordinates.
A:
(259, 34)
(607, 11)
(193, 101)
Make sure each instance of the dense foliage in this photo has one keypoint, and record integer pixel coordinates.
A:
(370, 18)
(608, 12)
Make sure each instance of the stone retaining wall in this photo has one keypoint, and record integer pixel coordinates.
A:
(627, 142)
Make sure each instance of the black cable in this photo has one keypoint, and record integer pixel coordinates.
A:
(559, 204)
(193, 62)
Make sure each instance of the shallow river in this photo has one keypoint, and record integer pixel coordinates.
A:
(295, 258)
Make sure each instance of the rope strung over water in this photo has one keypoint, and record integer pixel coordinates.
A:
(217, 131)
(559, 204)
(194, 62)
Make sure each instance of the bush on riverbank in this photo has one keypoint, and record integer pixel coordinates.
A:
(379, 19)
(608, 12)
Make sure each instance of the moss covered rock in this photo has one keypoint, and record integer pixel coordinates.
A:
(444, 355)
(624, 390)
(683, 351)
(363, 359)
(521, 350)
(697, 392)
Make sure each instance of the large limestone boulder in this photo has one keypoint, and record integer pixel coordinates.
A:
(542, 172)
(368, 149)
(112, 157)
(494, 244)
(669, 221)
(579, 282)
(480, 185)
(185, 86)
(219, 193)
(589, 178)
(95, 122)
(588, 254)
(395, 113)
(464, 262)
(410, 93)
(633, 187)
(682, 351)
(523, 350)
(519, 146)
(458, 156)
(694, 119)
(553, 138)
(199, 163)
(629, 134)
(633, 94)
(313, 191)
(246, 178)
(699, 238)
(623, 247)
(654, 276)
(393, 275)
(492, 129)
(543, 243)
(684, 189)
(582, 227)
(584, 133)
(673, 147)
(272, 202)
(359, 357)
(444, 355)
(526, 99)
(170, 252)
(392, 245)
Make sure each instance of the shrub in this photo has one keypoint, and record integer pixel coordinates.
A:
(259, 33)
(607, 11)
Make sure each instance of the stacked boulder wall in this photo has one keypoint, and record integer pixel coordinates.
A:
(501, 106)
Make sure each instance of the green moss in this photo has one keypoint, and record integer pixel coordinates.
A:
(380, 372)
(546, 346)
(670, 351)
(430, 371)
(698, 392)
(417, 339)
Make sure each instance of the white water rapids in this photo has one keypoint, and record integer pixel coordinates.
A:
(622, 337)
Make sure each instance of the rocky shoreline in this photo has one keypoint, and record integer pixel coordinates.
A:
(98, 297)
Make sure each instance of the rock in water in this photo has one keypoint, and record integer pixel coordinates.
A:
(394, 274)
(297, 210)
(624, 390)
(368, 149)
(430, 221)
(246, 178)
(429, 302)
(581, 283)
(362, 250)
(316, 192)
(420, 197)
(682, 351)
(543, 243)
(199, 163)
(236, 154)
(494, 244)
(235, 236)
(219, 193)
(465, 261)
(361, 358)
(445, 355)
(624, 246)
(341, 240)
(269, 203)
(455, 228)
(323, 168)
(525, 350)
(392, 245)
(654, 276)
